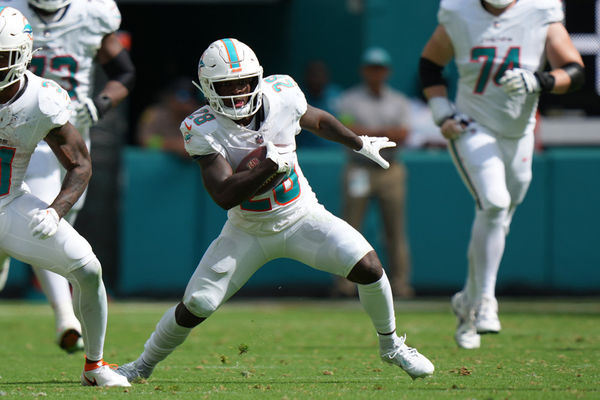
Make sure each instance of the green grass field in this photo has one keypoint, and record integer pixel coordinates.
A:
(284, 349)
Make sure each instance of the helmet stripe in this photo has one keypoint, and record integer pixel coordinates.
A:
(234, 60)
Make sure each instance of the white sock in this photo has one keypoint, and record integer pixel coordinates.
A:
(377, 300)
(89, 304)
(57, 291)
(163, 341)
(488, 238)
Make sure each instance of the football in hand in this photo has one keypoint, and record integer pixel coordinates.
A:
(254, 158)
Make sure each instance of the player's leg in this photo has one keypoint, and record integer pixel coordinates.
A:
(69, 254)
(480, 161)
(228, 263)
(44, 178)
(389, 186)
(58, 292)
(328, 243)
(357, 189)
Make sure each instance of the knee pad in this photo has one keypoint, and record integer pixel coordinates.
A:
(495, 199)
(90, 273)
(201, 305)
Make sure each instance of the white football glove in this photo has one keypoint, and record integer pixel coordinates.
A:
(372, 145)
(44, 223)
(519, 81)
(283, 165)
(86, 113)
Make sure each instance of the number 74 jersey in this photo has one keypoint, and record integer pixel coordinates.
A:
(485, 46)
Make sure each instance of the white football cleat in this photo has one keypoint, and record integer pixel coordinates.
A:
(4, 267)
(135, 371)
(466, 335)
(486, 316)
(102, 374)
(409, 359)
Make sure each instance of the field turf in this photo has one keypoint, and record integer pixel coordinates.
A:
(310, 349)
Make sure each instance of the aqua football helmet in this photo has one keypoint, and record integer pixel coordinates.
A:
(228, 60)
(16, 40)
(49, 5)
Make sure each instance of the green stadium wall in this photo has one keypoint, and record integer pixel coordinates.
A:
(168, 220)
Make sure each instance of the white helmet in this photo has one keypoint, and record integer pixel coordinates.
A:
(499, 3)
(16, 37)
(49, 5)
(227, 60)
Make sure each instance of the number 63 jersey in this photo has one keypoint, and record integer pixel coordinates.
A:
(485, 46)
(206, 132)
(69, 42)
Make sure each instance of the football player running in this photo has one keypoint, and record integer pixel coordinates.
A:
(246, 111)
(34, 231)
(69, 38)
(500, 48)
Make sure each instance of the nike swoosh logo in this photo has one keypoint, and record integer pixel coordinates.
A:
(189, 127)
(91, 383)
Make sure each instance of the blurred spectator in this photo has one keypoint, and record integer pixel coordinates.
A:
(375, 109)
(320, 93)
(158, 127)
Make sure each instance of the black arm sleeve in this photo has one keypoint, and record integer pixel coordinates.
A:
(430, 73)
(121, 68)
(575, 72)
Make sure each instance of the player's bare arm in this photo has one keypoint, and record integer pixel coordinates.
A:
(71, 151)
(229, 189)
(328, 127)
(325, 125)
(564, 59)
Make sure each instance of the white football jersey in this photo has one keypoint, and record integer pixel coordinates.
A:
(485, 46)
(41, 107)
(68, 45)
(206, 132)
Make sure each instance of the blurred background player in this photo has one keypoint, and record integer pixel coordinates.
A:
(158, 127)
(499, 47)
(34, 231)
(245, 112)
(374, 109)
(70, 38)
(320, 92)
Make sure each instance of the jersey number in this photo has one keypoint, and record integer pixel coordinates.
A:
(278, 83)
(56, 64)
(488, 54)
(286, 192)
(7, 154)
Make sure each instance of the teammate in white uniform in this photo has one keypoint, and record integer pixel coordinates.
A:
(32, 230)
(500, 48)
(246, 111)
(69, 38)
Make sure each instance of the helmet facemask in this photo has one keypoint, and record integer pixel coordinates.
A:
(229, 60)
(49, 5)
(499, 3)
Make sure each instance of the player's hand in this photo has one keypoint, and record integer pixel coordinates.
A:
(372, 145)
(44, 223)
(519, 81)
(86, 113)
(283, 165)
(454, 126)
